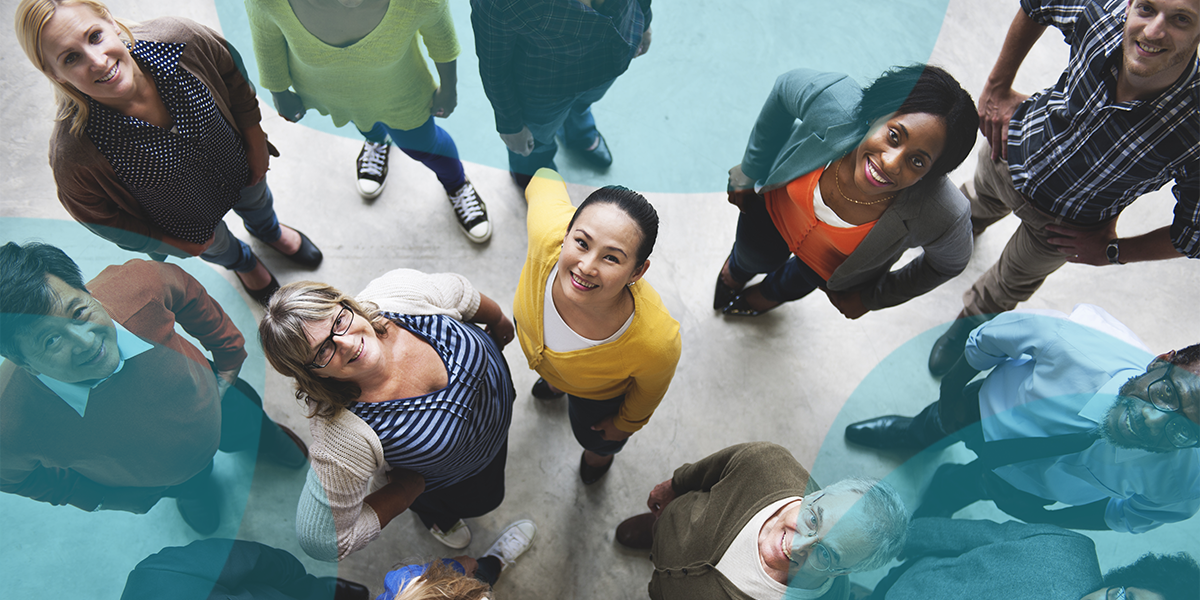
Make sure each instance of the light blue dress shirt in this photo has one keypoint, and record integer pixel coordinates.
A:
(1055, 375)
(76, 394)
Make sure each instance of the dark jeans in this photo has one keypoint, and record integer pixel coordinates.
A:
(759, 248)
(584, 413)
(428, 144)
(474, 496)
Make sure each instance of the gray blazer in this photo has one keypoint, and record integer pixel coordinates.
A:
(807, 122)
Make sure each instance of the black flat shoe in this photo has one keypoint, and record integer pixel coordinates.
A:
(739, 307)
(262, 296)
(723, 294)
(308, 256)
(541, 390)
(590, 474)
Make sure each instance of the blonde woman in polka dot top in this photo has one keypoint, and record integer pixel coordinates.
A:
(158, 136)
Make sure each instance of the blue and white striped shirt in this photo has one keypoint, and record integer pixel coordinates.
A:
(1077, 154)
(453, 433)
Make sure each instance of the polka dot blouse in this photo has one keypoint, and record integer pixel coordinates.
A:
(186, 178)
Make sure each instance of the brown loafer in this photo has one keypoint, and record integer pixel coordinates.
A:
(637, 532)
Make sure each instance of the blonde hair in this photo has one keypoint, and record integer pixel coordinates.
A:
(441, 582)
(32, 17)
(287, 347)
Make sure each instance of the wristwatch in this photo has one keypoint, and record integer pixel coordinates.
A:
(1113, 252)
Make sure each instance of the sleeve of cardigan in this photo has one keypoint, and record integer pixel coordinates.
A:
(217, 55)
(270, 48)
(496, 37)
(412, 292)
(650, 385)
(702, 475)
(549, 210)
(332, 518)
(439, 36)
(940, 261)
(788, 102)
(198, 313)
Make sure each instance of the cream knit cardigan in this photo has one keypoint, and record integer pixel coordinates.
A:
(346, 456)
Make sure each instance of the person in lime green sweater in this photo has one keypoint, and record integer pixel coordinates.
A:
(588, 322)
(359, 61)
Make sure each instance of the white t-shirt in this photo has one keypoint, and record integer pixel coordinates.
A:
(559, 336)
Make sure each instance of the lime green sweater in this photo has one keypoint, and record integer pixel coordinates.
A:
(639, 364)
(382, 77)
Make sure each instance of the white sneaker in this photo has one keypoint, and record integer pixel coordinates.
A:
(513, 542)
(372, 168)
(458, 537)
(471, 213)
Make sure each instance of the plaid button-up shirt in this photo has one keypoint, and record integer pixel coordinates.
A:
(1078, 154)
(551, 48)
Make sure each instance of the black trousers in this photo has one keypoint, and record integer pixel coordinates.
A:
(472, 497)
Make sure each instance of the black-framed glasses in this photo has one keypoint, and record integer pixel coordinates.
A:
(325, 352)
(1117, 593)
(1181, 432)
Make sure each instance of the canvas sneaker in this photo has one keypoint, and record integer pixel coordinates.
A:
(471, 213)
(513, 542)
(372, 168)
(458, 537)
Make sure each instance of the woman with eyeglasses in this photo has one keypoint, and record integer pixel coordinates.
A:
(409, 404)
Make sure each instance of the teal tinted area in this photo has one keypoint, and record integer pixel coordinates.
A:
(680, 116)
(901, 385)
(48, 551)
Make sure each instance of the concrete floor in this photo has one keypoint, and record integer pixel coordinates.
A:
(789, 377)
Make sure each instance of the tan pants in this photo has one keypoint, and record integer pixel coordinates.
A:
(1028, 258)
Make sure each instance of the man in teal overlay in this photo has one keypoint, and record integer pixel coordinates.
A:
(1121, 122)
(1074, 410)
(544, 62)
(103, 405)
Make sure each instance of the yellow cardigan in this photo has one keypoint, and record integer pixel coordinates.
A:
(639, 364)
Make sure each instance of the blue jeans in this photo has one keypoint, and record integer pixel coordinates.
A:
(759, 248)
(257, 210)
(428, 144)
(567, 116)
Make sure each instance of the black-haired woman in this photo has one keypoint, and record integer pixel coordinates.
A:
(587, 321)
(838, 181)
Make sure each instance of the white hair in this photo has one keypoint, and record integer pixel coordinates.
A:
(884, 520)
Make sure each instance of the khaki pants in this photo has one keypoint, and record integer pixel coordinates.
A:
(1028, 258)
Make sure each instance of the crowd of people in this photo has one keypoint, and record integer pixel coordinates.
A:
(409, 398)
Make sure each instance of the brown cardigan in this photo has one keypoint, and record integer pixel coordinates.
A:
(87, 185)
(154, 424)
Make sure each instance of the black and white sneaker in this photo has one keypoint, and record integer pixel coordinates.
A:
(372, 169)
(471, 213)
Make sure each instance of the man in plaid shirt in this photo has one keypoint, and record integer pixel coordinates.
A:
(544, 62)
(1120, 122)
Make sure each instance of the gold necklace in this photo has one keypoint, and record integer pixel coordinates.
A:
(837, 179)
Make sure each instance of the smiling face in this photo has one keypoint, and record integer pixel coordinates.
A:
(599, 256)
(799, 542)
(897, 152)
(76, 342)
(1134, 422)
(84, 51)
(1160, 39)
(355, 352)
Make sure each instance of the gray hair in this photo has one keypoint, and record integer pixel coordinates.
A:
(885, 520)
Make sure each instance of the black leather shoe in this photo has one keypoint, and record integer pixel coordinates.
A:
(637, 532)
(309, 255)
(202, 512)
(349, 590)
(723, 295)
(590, 474)
(262, 296)
(950, 346)
(599, 156)
(541, 390)
(886, 433)
(522, 180)
(282, 446)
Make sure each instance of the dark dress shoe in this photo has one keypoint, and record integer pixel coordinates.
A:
(951, 345)
(201, 512)
(521, 179)
(541, 390)
(886, 433)
(262, 296)
(637, 532)
(282, 446)
(740, 307)
(723, 295)
(590, 474)
(309, 255)
(599, 156)
(349, 590)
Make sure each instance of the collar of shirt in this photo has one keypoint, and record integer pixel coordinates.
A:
(76, 394)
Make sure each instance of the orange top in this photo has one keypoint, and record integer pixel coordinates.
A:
(823, 247)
